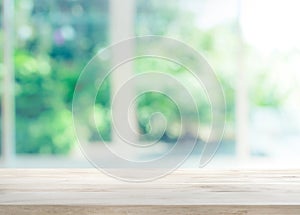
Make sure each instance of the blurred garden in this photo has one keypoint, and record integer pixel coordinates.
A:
(54, 40)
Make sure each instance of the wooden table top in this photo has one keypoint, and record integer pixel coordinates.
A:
(88, 191)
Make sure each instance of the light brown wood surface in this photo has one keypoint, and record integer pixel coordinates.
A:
(88, 191)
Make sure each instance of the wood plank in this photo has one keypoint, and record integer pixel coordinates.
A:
(88, 191)
(150, 210)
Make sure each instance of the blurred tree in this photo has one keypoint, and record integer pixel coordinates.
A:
(177, 21)
(55, 40)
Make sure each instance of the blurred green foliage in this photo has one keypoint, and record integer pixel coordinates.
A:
(43, 115)
(56, 39)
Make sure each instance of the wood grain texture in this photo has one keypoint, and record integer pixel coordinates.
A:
(88, 191)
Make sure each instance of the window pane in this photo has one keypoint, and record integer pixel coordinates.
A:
(54, 41)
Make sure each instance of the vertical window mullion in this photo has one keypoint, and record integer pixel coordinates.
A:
(242, 121)
(8, 98)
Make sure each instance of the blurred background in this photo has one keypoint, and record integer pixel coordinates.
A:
(253, 46)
